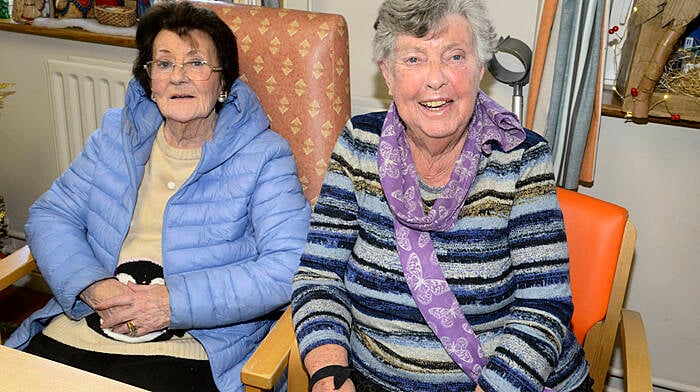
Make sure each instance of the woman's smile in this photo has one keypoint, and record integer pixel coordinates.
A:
(436, 104)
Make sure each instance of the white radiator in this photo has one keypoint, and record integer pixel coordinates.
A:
(81, 89)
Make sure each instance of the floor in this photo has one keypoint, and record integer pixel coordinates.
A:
(16, 304)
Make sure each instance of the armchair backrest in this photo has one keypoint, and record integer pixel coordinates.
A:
(601, 243)
(594, 230)
(297, 62)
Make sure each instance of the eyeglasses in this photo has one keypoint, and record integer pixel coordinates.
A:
(195, 70)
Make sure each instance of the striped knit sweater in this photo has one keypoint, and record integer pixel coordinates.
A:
(505, 259)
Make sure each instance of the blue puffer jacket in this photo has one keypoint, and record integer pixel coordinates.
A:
(232, 234)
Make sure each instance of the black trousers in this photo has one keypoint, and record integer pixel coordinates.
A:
(151, 372)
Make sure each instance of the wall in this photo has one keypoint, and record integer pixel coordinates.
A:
(650, 169)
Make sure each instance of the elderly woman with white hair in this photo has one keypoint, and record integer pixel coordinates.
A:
(437, 258)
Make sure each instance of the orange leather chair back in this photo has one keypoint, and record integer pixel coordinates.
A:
(297, 62)
(594, 230)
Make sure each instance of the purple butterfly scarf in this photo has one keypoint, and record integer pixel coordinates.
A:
(490, 123)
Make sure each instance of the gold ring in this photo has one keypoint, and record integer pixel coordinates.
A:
(132, 327)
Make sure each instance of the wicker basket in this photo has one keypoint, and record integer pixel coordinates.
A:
(115, 16)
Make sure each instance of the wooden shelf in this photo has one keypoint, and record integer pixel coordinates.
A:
(612, 107)
(73, 34)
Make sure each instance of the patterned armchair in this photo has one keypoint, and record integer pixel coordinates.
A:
(298, 64)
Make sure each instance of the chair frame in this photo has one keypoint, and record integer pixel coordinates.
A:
(600, 338)
(597, 352)
(15, 266)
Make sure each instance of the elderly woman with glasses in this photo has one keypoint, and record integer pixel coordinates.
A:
(437, 258)
(175, 234)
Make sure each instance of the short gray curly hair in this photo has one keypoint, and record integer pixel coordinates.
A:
(418, 17)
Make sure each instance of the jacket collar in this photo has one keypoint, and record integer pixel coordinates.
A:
(241, 119)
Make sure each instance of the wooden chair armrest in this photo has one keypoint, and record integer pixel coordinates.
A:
(270, 359)
(15, 266)
(635, 352)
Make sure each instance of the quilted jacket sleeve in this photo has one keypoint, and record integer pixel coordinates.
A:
(56, 233)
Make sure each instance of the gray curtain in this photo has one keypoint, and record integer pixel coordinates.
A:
(574, 86)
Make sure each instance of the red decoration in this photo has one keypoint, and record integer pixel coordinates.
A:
(675, 117)
(634, 91)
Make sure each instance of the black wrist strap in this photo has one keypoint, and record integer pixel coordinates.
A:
(340, 375)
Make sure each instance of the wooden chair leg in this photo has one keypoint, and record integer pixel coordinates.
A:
(635, 353)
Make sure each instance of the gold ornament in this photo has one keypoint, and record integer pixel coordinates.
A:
(3, 94)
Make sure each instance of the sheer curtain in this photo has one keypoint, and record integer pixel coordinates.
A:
(565, 91)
